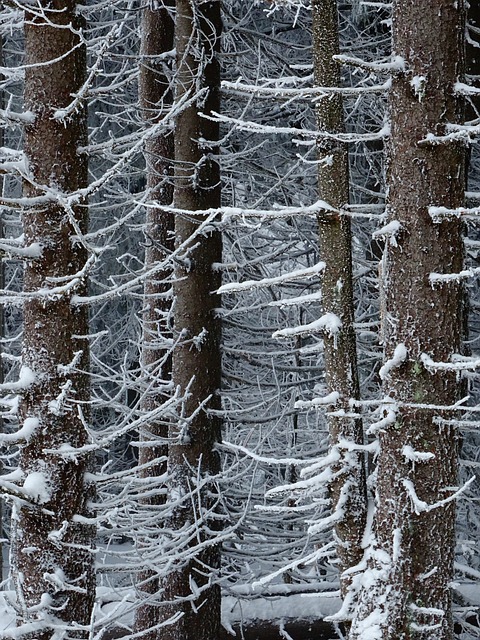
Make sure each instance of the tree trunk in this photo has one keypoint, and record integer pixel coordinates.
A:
(408, 595)
(155, 97)
(52, 547)
(348, 489)
(196, 358)
(3, 540)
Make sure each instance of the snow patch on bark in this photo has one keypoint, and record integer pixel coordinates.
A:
(36, 485)
(390, 231)
(398, 358)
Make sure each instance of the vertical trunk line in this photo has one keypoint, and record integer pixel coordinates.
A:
(196, 366)
(348, 490)
(156, 96)
(52, 555)
(417, 464)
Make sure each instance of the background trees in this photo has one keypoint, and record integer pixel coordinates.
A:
(250, 512)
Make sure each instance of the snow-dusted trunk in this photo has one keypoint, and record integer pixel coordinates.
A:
(52, 547)
(347, 490)
(196, 358)
(408, 592)
(155, 98)
(2, 317)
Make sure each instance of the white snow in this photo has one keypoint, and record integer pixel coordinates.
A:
(461, 364)
(298, 274)
(331, 398)
(419, 506)
(36, 485)
(25, 380)
(386, 421)
(390, 231)
(23, 434)
(399, 356)
(418, 85)
(33, 250)
(416, 456)
(328, 323)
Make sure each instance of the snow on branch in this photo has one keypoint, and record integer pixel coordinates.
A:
(462, 364)
(299, 300)
(420, 506)
(30, 425)
(11, 118)
(318, 403)
(456, 135)
(250, 285)
(389, 412)
(311, 558)
(280, 91)
(329, 323)
(439, 214)
(396, 64)
(398, 358)
(313, 135)
(25, 380)
(409, 453)
(390, 231)
(33, 250)
(463, 89)
(230, 446)
(438, 278)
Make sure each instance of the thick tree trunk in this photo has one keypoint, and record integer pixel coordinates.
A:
(196, 358)
(52, 548)
(155, 97)
(348, 489)
(417, 465)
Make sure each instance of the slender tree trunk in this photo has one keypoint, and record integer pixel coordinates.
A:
(155, 97)
(348, 489)
(417, 465)
(52, 549)
(2, 317)
(196, 358)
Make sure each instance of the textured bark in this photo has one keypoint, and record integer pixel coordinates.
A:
(2, 317)
(415, 547)
(155, 97)
(473, 56)
(52, 551)
(348, 489)
(196, 358)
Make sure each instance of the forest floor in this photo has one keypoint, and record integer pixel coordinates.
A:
(294, 617)
(286, 617)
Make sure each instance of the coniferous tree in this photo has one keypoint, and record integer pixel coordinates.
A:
(155, 94)
(52, 542)
(348, 489)
(191, 586)
(408, 595)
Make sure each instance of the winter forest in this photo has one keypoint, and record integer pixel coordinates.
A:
(239, 319)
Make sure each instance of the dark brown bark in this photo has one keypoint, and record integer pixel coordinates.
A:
(44, 562)
(2, 285)
(155, 97)
(415, 545)
(348, 489)
(196, 358)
